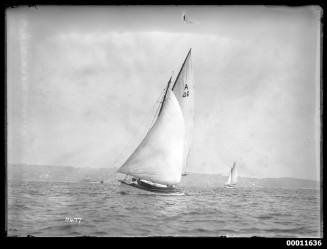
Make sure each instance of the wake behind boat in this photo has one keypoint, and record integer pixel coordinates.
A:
(159, 161)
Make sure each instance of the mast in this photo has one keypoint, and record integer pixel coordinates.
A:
(188, 54)
(164, 97)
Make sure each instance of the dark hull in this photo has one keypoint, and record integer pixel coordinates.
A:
(229, 186)
(152, 188)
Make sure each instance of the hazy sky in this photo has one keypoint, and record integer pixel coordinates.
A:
(82, 85)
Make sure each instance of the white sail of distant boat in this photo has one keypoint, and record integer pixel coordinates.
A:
(232, 178)
(158, 162)
(183, 89)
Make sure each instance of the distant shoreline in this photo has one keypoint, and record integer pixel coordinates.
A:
(115, 169)
(71, 174)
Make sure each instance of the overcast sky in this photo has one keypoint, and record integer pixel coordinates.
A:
(82, 85)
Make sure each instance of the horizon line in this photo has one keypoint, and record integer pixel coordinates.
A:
(115, 168)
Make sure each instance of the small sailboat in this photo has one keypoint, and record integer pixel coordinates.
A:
(159, 161)
(232, 178)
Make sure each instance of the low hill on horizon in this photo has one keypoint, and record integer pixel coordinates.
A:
(52, 173)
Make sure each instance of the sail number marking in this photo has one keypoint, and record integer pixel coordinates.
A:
(186, 91)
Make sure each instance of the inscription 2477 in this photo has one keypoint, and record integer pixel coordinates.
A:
(73, 220)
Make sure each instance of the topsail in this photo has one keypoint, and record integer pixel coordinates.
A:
(183, 89)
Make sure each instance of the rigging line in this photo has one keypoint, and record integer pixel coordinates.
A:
(132, 138)
(164, 98)
(159, 108)
(156, 114)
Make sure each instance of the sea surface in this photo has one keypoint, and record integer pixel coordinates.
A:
(112, 209)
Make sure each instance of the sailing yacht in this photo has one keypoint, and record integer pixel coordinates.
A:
(232, 178)
(159, 161)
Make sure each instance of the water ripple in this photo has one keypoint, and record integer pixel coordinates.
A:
(40, 209)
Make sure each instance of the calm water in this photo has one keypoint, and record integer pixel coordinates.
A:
(110, 209)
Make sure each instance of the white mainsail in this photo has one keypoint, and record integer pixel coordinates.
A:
(232, 178)
(159, 157)
(183, 89)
